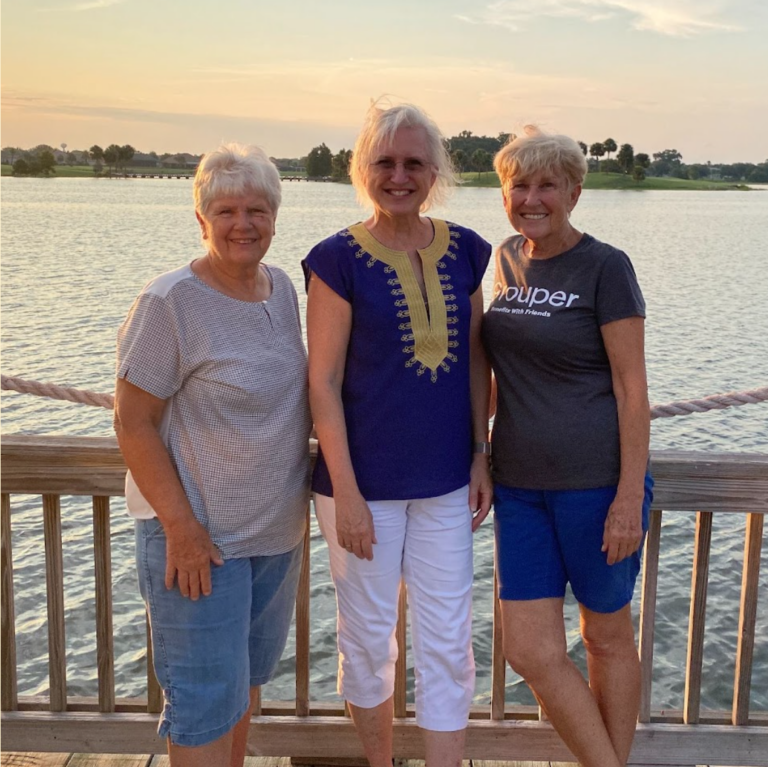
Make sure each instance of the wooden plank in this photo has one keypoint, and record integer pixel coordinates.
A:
(696, 618)
(9, 699)
(105, 656)
(161, 760)
(402, 652)
(686, 481)
(303, 631)
(32, 759)
(154, 692)
(498, 662)
(733, 482)
(661, 744)
(54, 578)
(747, 618)
(648, 612)
(256, 706)
(62, 465)
(110, 760)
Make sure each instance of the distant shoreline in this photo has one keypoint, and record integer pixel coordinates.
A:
(622, 181)
(488, 179)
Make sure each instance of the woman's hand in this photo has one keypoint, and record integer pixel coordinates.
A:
(189, 553)
(480, 489)
(354, 525)
(623, 531)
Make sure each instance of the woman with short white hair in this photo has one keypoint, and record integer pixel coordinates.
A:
(399, 389)
(564, 333)
(212, 417)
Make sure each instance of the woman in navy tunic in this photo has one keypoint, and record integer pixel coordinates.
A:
(399, 390)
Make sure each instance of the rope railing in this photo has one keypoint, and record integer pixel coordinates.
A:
(671, 409)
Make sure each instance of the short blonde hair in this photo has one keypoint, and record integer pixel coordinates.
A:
(232, 170)
(379, 129)
(536, 151)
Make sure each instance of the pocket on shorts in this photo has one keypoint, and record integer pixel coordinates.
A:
(153, 528)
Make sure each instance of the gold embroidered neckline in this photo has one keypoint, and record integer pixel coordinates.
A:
(432, 252)
(430, 330)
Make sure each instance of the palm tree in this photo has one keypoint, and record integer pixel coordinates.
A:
(596, 150)
(610, 146)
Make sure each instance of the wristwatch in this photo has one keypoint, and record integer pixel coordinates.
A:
(482, 447)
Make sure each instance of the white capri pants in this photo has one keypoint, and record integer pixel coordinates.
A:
(428, 542)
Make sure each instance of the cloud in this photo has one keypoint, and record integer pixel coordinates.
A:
(677, 18)
(90, 5)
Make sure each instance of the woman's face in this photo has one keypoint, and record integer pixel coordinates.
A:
(400, 174)
(538, 206)
(238, 230)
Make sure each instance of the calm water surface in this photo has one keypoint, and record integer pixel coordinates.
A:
(76, 252)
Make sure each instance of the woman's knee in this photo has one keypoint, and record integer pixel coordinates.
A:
(534, 657)
(608, 635)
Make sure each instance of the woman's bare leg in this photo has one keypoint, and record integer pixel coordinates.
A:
(614, 673)
(215, 754)
(374, 728)
(240, 733)
(444, 749)
(534, 645)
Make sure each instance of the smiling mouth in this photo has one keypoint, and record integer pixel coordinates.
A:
(534, 216)
(244, 241)
(399, 192)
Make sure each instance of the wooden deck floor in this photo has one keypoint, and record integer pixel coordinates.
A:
(12, 759)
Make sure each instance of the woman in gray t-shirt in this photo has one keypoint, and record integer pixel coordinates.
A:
(564, 333)
(212, 416)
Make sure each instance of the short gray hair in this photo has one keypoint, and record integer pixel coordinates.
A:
(379, 129)
(537, 151)
(232, 170)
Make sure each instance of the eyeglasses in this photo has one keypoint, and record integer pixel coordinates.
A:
(412, 167)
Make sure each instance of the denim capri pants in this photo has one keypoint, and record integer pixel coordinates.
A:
(209, 652)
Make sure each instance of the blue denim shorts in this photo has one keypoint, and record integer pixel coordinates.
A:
(547, 538)
(208, 653)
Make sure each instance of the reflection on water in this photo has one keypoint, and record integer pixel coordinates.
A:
(76, 252)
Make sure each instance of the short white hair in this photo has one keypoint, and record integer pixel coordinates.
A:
(235, 169)
(536, 151)
(379, 129)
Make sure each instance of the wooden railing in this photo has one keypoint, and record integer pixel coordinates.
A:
(710, 483)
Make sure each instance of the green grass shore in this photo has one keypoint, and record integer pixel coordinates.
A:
(472, 179)
(619, 181)
(86, 171)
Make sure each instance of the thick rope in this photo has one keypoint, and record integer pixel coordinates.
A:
(57, 392)
(684, 407)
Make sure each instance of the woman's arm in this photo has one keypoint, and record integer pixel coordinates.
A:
(329, 321)
(480, 485)
(625, 345)
(190, 550)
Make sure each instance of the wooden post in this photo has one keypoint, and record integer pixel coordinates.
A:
(747, 618)
(105, 656)
(498, 662)
(698, 609)
(402, 653)
(9, 700)
(54, 576)
(648, 612)
(302, 632)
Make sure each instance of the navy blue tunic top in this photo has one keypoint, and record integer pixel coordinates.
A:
(406, 381)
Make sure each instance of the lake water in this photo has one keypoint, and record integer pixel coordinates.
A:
(77, 251)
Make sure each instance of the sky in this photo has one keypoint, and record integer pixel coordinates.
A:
(184, 75)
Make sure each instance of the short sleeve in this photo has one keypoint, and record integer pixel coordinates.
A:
(148, 347)
(618, 293)
(479, 255)
(330, 261)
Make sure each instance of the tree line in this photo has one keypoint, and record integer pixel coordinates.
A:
(40, 160)
(475, 153)
(469, 152)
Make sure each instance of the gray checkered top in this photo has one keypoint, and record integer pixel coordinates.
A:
(237, 421)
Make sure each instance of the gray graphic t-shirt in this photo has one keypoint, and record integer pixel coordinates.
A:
(556, 424)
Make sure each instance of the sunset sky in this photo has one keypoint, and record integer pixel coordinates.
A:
(182, 75)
